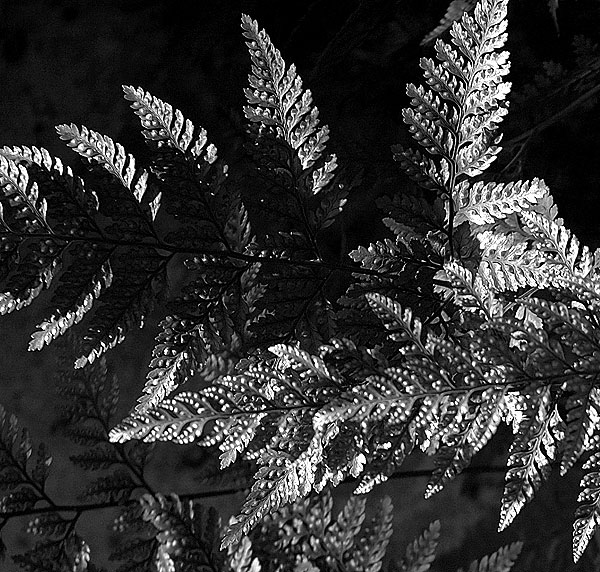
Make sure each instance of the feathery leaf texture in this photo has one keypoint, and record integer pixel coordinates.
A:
(500, 561)
(454, 117)
(587, 514)
(164, 125)
(276, 98)
(186, 533)
(481, 309)
(530, 456)
(421, 552)
(23, 469)
(481, 203)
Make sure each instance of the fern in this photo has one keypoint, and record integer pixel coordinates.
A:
(477, 308)
(421, 552)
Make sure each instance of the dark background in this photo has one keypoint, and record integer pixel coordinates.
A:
(64, 61)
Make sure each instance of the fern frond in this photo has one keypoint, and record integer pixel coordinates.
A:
(164, 125)
(369, 553)
(420, 553)
(23, 469)
(139, 276)
(116, 487)
(181, 419)
(454, 117)
(469, 291)
(256, 392)
(21, 199)
(583, 416)
(65, 193)
(136, 542)
(174, 360)
(102, 149)
(468, 437)
(70, 552)
(587, 514)
(279, 481)
(481, 203)
(58, 323)
(241, 559)
(340, 537)
(288, 140)
(531, 453)
(38, 268)
(184, 530)
(276, 97)
(558, 245)
(500, 561)
(507, 263)
(401, 322)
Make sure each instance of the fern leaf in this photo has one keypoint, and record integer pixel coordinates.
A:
(139, 277)
(57, 555)
(117, 487)
(559, 246)
(164, 562)
(23, 470)
(470, 437)
(281, 480)
(340, 536)
(302, 361)
(455, 116)
(58, 324)
(508, 264)
(469, 291)
(587, 514)
(454, 12)
(241, 559)
(136, 542)
(27, 208)
(369, 553)
(238, 435)
(583, 416)
(174, 359)
(531, 453)
(332, 204)
(165, 125)
(419, 167)
(288, 140)
(181, 420)
(38, 268)
(500, 561)
(101, 148)
(420, 553)
(481, 203)
(184, 530)
(276, 97)
(400, 321)
(64, 191)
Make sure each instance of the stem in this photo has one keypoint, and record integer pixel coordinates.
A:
(222, 492)
(251, 258)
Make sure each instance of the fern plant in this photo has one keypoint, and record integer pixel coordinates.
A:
(480, 308)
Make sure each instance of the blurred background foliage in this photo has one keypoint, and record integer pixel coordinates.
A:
(65, 60)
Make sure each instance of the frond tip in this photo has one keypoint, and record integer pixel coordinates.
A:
(100, 148)
(276, 98)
